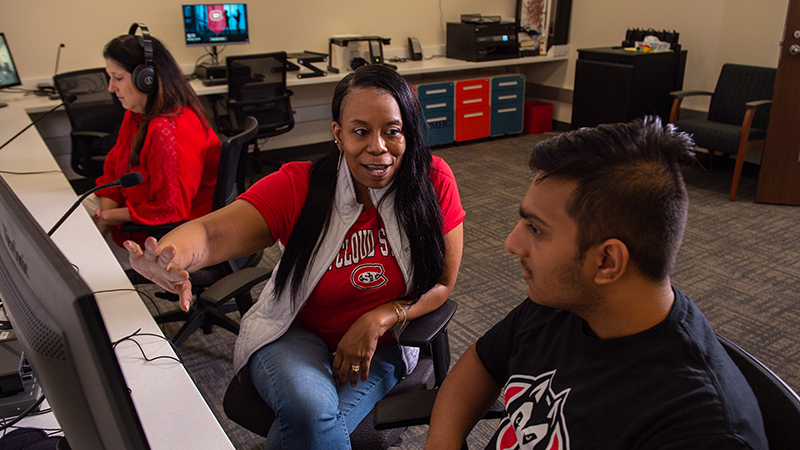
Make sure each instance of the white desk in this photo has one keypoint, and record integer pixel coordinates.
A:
(173, 413)
(407, 68)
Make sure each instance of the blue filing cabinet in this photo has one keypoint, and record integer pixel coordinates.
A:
(507, 104)
(438, 110)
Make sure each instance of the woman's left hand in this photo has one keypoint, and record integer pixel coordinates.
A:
(355, 350)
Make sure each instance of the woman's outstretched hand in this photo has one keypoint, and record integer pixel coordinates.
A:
(156, 264)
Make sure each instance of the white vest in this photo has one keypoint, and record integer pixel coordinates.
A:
(270, 317)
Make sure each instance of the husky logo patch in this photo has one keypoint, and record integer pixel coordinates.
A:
(368, 276)
(535, 419)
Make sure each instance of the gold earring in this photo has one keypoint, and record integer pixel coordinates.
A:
(339, 164)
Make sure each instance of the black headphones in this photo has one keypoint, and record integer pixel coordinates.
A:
(144, 75)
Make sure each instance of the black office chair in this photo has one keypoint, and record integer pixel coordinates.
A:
(257, 88)
(737, 116)
(230, 183)
(95, 117)
(779, 404)
(244, 405)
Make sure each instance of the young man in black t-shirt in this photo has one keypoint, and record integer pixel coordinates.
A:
(605, 352)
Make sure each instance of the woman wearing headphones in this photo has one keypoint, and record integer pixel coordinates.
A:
(165, 136)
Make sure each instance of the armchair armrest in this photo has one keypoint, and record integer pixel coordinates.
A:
(757, 103)
(235, 284)
(679, 96)
(682, 94)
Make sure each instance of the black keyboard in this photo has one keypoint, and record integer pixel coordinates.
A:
(215, 82)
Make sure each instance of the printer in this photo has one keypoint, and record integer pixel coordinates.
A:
(486, 41)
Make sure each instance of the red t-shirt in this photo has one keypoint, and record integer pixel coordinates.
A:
(178, 162)
(364, 274)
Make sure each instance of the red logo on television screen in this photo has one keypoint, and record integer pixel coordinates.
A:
(217, 19)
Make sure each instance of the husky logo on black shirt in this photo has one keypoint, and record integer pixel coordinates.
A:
(535, 419)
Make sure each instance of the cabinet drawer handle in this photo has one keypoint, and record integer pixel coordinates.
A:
(436, 119)
(472, 87)
(477, 114)
(507, 83)
(506, 110)
(436, 91)
(435, 105)
(473, 100)
(507, 97)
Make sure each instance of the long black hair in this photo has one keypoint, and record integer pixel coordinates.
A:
(172, 90)
(416, 204)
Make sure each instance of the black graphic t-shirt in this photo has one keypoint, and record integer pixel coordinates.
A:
(672, 386)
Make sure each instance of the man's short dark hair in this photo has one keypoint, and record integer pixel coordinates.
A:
(630, 187)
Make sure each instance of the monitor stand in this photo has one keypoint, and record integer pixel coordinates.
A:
(214, 55)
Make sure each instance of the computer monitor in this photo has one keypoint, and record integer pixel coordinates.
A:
(8, 71)
(212, 25)
(59, 327)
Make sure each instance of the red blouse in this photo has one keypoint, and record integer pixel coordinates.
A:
(178, 163)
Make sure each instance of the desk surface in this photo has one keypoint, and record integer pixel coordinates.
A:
(426, 66)
(173, 413)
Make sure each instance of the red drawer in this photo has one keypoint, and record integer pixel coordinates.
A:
(472, 93)
(472, 123)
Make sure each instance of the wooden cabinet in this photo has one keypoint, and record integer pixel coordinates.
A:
(617, 85)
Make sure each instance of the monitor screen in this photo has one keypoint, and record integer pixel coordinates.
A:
(222, 24)
(8, 71)
(59, 327)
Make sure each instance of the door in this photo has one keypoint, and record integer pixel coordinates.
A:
(779, 177)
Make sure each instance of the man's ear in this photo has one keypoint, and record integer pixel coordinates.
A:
(612, 260)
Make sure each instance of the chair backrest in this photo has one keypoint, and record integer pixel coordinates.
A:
(95, 109)
(230, 175)
(257, 87)
(230, 181)
(737, 85)
(779, 404)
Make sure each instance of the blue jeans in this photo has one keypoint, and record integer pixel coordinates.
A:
(294, 376)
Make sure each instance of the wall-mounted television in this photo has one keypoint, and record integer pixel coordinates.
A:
(212, 25)
(8, 71)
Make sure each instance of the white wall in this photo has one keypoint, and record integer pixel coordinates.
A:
(713, 31)
(34, 28)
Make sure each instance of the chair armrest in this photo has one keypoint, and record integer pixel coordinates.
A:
(682, 94)
(235, 284)
(757, 103)
(415, 408)
(405, 410)
(150, 230)
(260, 101)
(420, 332)
(91, 134)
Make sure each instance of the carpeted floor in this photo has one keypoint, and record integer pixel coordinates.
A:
(740, 262)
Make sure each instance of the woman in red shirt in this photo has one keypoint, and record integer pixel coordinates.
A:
(373, 236)
(165, 136)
